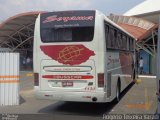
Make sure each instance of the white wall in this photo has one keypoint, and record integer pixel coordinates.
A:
(9, 78)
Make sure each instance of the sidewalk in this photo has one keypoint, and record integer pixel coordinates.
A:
(147, 76)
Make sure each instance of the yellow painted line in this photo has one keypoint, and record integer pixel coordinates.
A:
(147, 105)
(147, 101)
(9, 81)
(9, 76)
(143, 106)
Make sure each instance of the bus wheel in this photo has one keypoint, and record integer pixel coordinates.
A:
(117, 99)
(134, 75)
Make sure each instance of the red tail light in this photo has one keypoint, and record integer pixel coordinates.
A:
(36, 79)
(100, 79)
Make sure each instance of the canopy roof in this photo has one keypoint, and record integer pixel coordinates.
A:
(137, 27)
(144, 31)
(149, 10)
(148, 6)
(16, 32)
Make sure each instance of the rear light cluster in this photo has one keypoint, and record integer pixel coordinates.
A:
(36, 79)
(100, 79)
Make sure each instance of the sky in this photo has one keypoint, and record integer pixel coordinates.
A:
(10, 8)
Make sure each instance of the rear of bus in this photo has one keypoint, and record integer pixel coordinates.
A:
(68, 62)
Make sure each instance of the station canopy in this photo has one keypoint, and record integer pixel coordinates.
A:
(148, 10)
(143, 30)
(16, 33)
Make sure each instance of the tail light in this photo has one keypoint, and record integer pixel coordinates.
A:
(100, 79)
(36, 79)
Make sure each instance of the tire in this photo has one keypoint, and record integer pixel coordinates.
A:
(117, 99)
(134, 74)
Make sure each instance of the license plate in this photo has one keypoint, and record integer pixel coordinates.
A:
(67, 83)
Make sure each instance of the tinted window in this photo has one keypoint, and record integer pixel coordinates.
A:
(67, 34)
(67, 26)
(117, 39)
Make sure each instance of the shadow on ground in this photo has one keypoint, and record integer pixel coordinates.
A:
(22, 100)
(81, 108)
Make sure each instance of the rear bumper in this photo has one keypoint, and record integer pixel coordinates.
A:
(71, 96)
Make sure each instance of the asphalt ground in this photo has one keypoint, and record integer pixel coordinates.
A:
(138, 98)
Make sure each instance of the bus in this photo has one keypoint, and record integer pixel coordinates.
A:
(81, 56)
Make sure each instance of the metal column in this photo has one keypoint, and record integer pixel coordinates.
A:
(158, 68)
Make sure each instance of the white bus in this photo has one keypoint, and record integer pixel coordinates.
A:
(81, 56)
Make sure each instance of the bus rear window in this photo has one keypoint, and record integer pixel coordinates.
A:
(76, 34)
(68, 26)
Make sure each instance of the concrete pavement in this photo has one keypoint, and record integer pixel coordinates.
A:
(136, 99)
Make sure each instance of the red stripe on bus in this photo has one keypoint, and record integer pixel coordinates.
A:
(67, 76)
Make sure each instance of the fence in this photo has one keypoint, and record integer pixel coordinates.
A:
(9, 78)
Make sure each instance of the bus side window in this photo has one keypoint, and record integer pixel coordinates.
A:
(119, 38)
(115, 39)
(124, 42)
(127, 43)
(131, 44)
(112, 38)
(107, 35)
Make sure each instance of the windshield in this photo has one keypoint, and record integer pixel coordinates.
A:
(76, 27)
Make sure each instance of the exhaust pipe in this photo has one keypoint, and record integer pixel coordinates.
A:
(94, 99)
